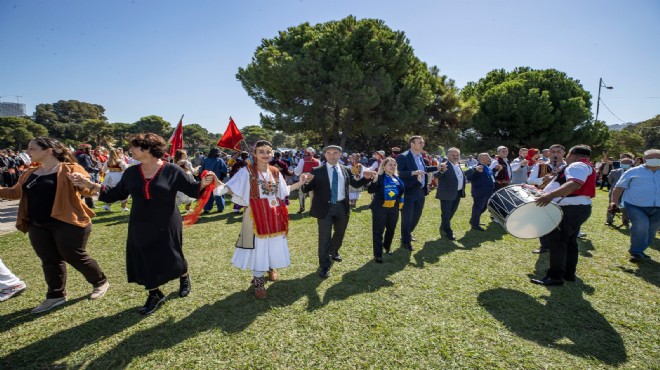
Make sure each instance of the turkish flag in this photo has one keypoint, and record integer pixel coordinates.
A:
(176, 140)
(232, 137)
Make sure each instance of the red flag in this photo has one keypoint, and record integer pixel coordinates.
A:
(232, 137)
(177, 138)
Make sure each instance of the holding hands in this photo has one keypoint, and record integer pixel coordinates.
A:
(305, 178)
(81, 181)
(480, 168)
(210, 178)
(368, 174)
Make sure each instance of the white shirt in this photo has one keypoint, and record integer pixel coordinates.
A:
(494, 164)
(341, 194)
(576, 171)
(459, 175)
(534, 178)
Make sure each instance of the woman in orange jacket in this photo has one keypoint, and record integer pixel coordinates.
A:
(56, 219)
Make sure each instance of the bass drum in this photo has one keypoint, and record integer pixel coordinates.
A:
(515, 209)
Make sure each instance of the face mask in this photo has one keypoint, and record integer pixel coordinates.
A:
(653, 162)
(625, 166)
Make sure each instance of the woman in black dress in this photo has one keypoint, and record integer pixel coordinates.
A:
(154, 253)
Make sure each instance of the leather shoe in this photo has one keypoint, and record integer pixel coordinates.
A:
(407, 246)
(184, 286)
(389, 251)
(450, 236)
(337, 258)
(378, 259)
(540, 250)
(570, 278)
(301, 211)
(478, 228)
(154, 301)
(547, 281)
(324, 272)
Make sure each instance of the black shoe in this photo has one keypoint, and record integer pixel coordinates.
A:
(570, 278)
(450, 236)
(184, 286)
(154, 301)
(412, 238)
(478, 228)
(301, 211)
(407, 246)
(378, 259)
(389, 251)
(337, 258)
(540, 250)
(547, 281)
(324, 272)
(636, 257)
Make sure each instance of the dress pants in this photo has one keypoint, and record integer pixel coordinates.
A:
(562, 241)
(57, 243)
(448, 209)
(411, 212)
(383, 222)
(329, 242)
(479, 206)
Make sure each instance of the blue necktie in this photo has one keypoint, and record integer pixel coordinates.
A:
(335, 185)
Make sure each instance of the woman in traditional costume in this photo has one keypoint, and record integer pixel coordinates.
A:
(154, 253)
(357, 169)
(262, 245)
(388, 198)
(113, 169)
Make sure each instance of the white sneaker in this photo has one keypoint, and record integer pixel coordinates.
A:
(106, 207)
(48, 304)
(99, 291)
(7, 293)
(125, 209)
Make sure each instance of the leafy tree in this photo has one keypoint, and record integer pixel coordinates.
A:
(339, 79)
(528, 107)
(649, 130)
(195, 136)
(251, 134)
(63, 119)
(154, 124)
(624, 141)
(96, 132)
(17, 132)
(120, 133)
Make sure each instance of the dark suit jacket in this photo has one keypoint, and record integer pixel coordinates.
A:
(482, 182)
(448, 184)
(376, 188)
(320, 185)
(406, 165)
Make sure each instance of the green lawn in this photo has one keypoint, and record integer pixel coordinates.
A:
(463, 304)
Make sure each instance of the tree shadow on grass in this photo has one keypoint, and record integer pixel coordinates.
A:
(648, 270)
(369, 278)
(45, 352)
(11, 320)
(566, 322)
(229, 216)
(117, 218)
(232, 314)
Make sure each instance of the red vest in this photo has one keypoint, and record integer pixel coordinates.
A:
(589, 186)
(310, 162)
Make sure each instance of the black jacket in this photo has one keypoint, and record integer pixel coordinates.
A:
(376, 188)
(320, 185)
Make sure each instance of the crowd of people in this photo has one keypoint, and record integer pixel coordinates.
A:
(56, 188)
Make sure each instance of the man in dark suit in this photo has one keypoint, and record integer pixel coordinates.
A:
(483, 186)
(451, 188)
(330, 204)
(412, 172)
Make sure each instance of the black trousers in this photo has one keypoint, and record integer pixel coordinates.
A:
(329, 242)
(411, 212)
(383, 222)
(448, 210)
(562, 241)
(479, 206)
(58, 242)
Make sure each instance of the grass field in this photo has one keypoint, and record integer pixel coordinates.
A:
(462, 304)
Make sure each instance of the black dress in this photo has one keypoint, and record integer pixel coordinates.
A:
(154, 252)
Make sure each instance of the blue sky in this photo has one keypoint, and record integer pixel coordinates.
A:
(138, 58)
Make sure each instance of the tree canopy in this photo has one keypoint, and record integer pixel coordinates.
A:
(528, 107)
(18, 131)
(343, 78)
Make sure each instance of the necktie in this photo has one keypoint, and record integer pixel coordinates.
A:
(335, 185)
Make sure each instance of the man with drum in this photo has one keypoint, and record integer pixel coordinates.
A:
(451, 188)
(501, 168)
(572, 189)
(483, 185)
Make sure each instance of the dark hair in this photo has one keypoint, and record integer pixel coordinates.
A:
(262, 143)
(60, 151)
(155, 144)
(557, 146)
(581, 150)
(214, 153)
(413, 138)
(179, 154)
(245, 155)
(278, 155)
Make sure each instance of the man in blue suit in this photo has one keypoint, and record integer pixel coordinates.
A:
(483, 186)
(412, 171)
(451, 188)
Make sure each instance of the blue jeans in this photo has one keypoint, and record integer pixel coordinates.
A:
(219, 201)
(645, 223)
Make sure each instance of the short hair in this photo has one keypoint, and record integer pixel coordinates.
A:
(626, 155)
(501, 147)
(154, 143)
(651, 151)
(277, 155)
(581, 150)
(413, 138)
(454, 149)
(482, 154)
(557, 146)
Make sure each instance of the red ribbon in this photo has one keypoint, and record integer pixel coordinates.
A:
(191, 218)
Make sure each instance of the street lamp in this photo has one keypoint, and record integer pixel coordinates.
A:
(600, 84)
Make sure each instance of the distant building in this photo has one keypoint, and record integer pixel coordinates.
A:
(12, 109)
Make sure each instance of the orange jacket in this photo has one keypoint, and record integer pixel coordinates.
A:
(68, 206)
